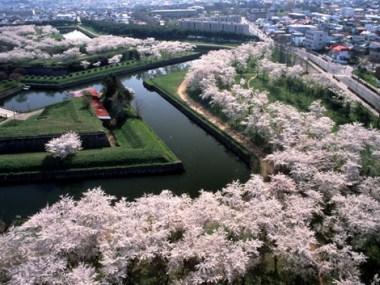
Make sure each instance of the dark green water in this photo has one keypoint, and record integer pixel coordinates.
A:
(208, 164)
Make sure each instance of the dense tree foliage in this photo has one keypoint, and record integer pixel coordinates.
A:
(21, 44)
(257, 232)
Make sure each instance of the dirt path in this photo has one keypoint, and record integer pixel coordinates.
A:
(237, 136)
(250, 80)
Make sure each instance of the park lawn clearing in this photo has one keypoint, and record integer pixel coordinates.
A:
(66, 116)
(170, 82)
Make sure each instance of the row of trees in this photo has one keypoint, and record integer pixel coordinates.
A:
(26, 43)
(253, 233)
(334, 163)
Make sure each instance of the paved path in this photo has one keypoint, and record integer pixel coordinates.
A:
(340, 75)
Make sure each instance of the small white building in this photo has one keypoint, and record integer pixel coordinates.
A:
(299, 28)
(298, 39)
(316, 39)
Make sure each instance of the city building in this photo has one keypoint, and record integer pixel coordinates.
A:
(340, 53)
(300, 28)
(214, 25)
(316, 39)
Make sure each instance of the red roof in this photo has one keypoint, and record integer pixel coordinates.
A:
(339, 48)
(96, 104)
(99, 109)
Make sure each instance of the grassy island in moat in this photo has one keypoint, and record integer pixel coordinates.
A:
(134, 145)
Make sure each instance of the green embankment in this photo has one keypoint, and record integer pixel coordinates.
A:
(137, 145)
(170, 82)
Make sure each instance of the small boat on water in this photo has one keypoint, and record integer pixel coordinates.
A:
(26, 87)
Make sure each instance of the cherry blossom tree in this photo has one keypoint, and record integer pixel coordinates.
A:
(65, 145)
(217, 237)
(40, 42)
(115, 59)
(85, 64)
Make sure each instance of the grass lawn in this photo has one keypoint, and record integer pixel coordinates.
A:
(170, 82)
(66, 116)
(137, 144)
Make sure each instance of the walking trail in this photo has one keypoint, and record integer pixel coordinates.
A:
(237, 136)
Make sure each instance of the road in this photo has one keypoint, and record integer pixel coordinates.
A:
(339, 75)
(254, 30)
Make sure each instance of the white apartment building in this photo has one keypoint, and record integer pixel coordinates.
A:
(316, 39)
(207, 25)
(175, 13)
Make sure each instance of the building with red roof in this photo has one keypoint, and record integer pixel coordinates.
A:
(98, 107)
(340, 53)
